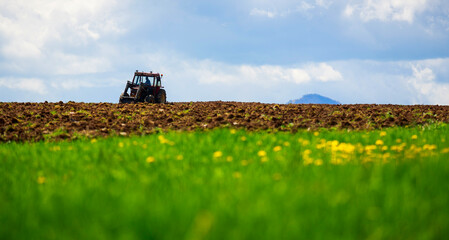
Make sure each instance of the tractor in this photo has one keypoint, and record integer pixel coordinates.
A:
(145, 87)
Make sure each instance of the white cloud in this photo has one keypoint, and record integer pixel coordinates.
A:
(287, 8)
(387, 10)
(25, 84)
(305, 6)
(74, 64)
(65, 84)
(427, 90)
(323, 3)
(210, 72)
(30, 28)
(323, 72)
(262, 13)
(70, 83)
(349, 11)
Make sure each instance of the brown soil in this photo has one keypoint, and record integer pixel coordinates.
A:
(38, 121)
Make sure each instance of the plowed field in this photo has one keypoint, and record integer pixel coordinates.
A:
(38, 121)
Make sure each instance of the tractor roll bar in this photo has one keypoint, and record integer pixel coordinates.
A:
(150, 74)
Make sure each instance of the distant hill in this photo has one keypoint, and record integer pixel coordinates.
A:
(313, 99)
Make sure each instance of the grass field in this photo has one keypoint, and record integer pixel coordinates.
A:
(230, 184)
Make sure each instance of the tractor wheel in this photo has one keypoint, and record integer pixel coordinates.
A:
(161, 96)
(149, 99)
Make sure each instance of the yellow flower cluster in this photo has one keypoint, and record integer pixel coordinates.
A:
(277, 148)
(163, 140)
(263, 156)
(303, 142)
(217, 154)
(429, 147)
(341, 152)
(150, 159)
(398, 148)
(41, 180)
(309, 160)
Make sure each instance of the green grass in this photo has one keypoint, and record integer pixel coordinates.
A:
(227, 184)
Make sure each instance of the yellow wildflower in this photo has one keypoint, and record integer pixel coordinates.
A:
(370, 148)
(93, 140)
(318, 162)
(334, 144)
(277, 148)
(322, 144)
(263, 159)
(429, 147)
(414, 137)
(303, 141)
(398, 140)
(163, 140)
(150, 159)
(217, 154)
(243, 138)
(233, 131)
(261, 153)
(287, 144)
(383, 133)
(308, 161)
(120, 145)
(379, 142)
(384, 148)
(345, 147)
(41, 180)
(229, 158)
(445, 150)
(316, 134)
(179, 157)
(415, 149)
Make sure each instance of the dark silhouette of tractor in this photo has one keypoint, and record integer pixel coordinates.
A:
(145, 87)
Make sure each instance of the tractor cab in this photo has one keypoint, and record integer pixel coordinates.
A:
(154, 81)
(145, 87)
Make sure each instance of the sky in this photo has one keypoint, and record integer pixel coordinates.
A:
(360, 51)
